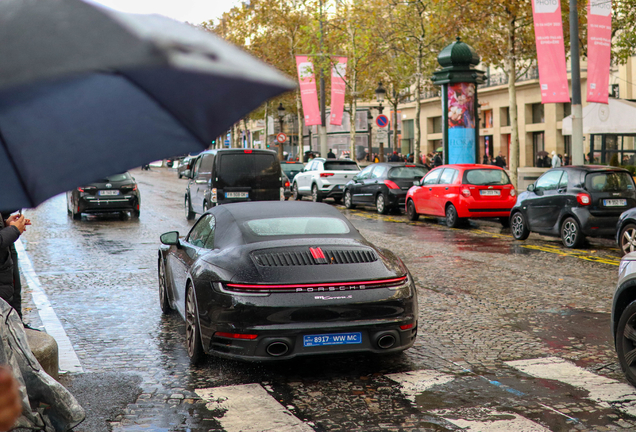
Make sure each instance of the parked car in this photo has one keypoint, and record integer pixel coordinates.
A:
(267, 281)
(624, 317)
(626, 231)
(324, 178)
(116, 193)
(232, 175)
(462, 191)
(383, 185)
(291, 168)
(286, 187)
(574, 202)
(184, 165)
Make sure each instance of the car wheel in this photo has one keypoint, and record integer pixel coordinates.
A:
(411, 211)
(504, 221)
(188, 209)
(295, 192)
(380, 204)
(519, 227)
(315, 194)
(452, 221)
(348, 200)
(164, 302)
(76, 215)
(571, 234)
(135, 214)
(628, 239)
(626, 342)
(193, 333)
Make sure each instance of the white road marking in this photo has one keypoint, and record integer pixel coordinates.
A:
(69, 362)
(249, 408)
(604, 390)
(486, 420)
(416, 382)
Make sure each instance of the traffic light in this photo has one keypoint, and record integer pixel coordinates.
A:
(213, 141)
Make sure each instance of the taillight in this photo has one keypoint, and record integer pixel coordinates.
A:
(584, 199)
(407, 326)
(132, 187)
(466, 192)
(213, 195)
(286, 184)
(390, 184)
(513, 192)
(88, 189)
(247, 151)
(81, 189)
(326, 174)
(235, 335)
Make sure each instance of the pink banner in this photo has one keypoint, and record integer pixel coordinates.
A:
(308, 94)
(599, 39)
(548, 29)
(338, 86)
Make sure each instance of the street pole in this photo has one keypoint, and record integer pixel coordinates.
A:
(577, 108)
(322, 129)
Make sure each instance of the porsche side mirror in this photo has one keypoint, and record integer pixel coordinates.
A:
(531, 187)
(170, 238)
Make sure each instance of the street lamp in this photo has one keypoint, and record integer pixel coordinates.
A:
(380, 92)
(281, 114)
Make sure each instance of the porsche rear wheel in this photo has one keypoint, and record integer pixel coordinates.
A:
(193, 334)
(164, 302)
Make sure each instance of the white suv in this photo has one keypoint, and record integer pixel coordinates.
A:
(324, 178)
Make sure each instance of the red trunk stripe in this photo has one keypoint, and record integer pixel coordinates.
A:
(317, 253)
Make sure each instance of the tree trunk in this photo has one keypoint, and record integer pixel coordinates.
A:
(417, 131)
(248, 135)
(232, 136)
(299, 109)
(264, 140)
(394, 121)
(512, 95)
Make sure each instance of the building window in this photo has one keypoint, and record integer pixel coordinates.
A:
(437, 124)
(567, 109)
(614, 91)
(537, 113)
(486, 121)
(505, 116)
(538, 150)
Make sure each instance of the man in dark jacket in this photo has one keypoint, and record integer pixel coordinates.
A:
(437, 160)
(10, 231)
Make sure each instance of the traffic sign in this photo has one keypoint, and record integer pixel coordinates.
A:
(382, 120)
(281, 138)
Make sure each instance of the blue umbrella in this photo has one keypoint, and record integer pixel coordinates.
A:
(86, 92)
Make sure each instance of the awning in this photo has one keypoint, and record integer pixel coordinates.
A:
(617, 118)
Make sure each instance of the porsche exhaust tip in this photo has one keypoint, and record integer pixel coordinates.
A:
(277, 349)
(386, 341)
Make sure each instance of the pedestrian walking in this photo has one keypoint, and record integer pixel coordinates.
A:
(556, 161)
(16, 302)
(437, 160)
(394, 157)
(566, 159)
(500, 160)
(331, 154)
(10, 231)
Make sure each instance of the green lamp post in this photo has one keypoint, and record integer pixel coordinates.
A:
(459, 78)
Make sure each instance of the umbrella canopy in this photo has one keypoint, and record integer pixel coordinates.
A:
(439, 149)
(87, 92)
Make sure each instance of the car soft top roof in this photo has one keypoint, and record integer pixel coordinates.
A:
(231, 217)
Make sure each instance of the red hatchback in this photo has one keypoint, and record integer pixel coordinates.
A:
(462, 191)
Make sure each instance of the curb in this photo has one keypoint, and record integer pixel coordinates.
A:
(44, 348)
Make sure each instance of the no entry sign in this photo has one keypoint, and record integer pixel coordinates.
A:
(281, 137)
(382, 120)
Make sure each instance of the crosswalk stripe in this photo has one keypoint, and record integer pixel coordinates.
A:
(604, 390)
(250, 408)
(486, 420)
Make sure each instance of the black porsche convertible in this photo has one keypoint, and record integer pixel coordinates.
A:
(275, 280)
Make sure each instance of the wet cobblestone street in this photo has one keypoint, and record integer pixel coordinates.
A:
(486, 302)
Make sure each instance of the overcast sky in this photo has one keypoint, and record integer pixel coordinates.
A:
(193, 11)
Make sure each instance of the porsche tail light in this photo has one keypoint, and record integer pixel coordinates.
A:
(391, 184)
(407, 326)
(584, 199)
(513, 192)
(466, 192)
(319, 287)
(235, 335)
(326, 174)
(213, 196)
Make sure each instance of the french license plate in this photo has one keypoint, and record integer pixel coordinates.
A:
(108, 192)
(236, 194)
(615, 202)
(332, 339)
(490, 192)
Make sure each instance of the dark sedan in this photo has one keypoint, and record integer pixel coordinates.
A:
(291, 168)
(383, 185)
(116, 193)
(574, 202)
(274, 280)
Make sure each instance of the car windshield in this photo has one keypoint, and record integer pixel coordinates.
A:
(297, 226)
(341, 166)
(609, 182)
(482, 177)
(292, 168)
(407, 172)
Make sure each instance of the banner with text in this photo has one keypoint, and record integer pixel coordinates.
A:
(548, 30)
(599, 39)
(338, 86)
(308, 94)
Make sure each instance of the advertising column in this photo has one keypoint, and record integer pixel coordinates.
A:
(461, 123)
(548, 29)
(599, 38)
(308, 94)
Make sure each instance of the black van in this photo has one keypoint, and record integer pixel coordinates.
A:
(232, 175)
